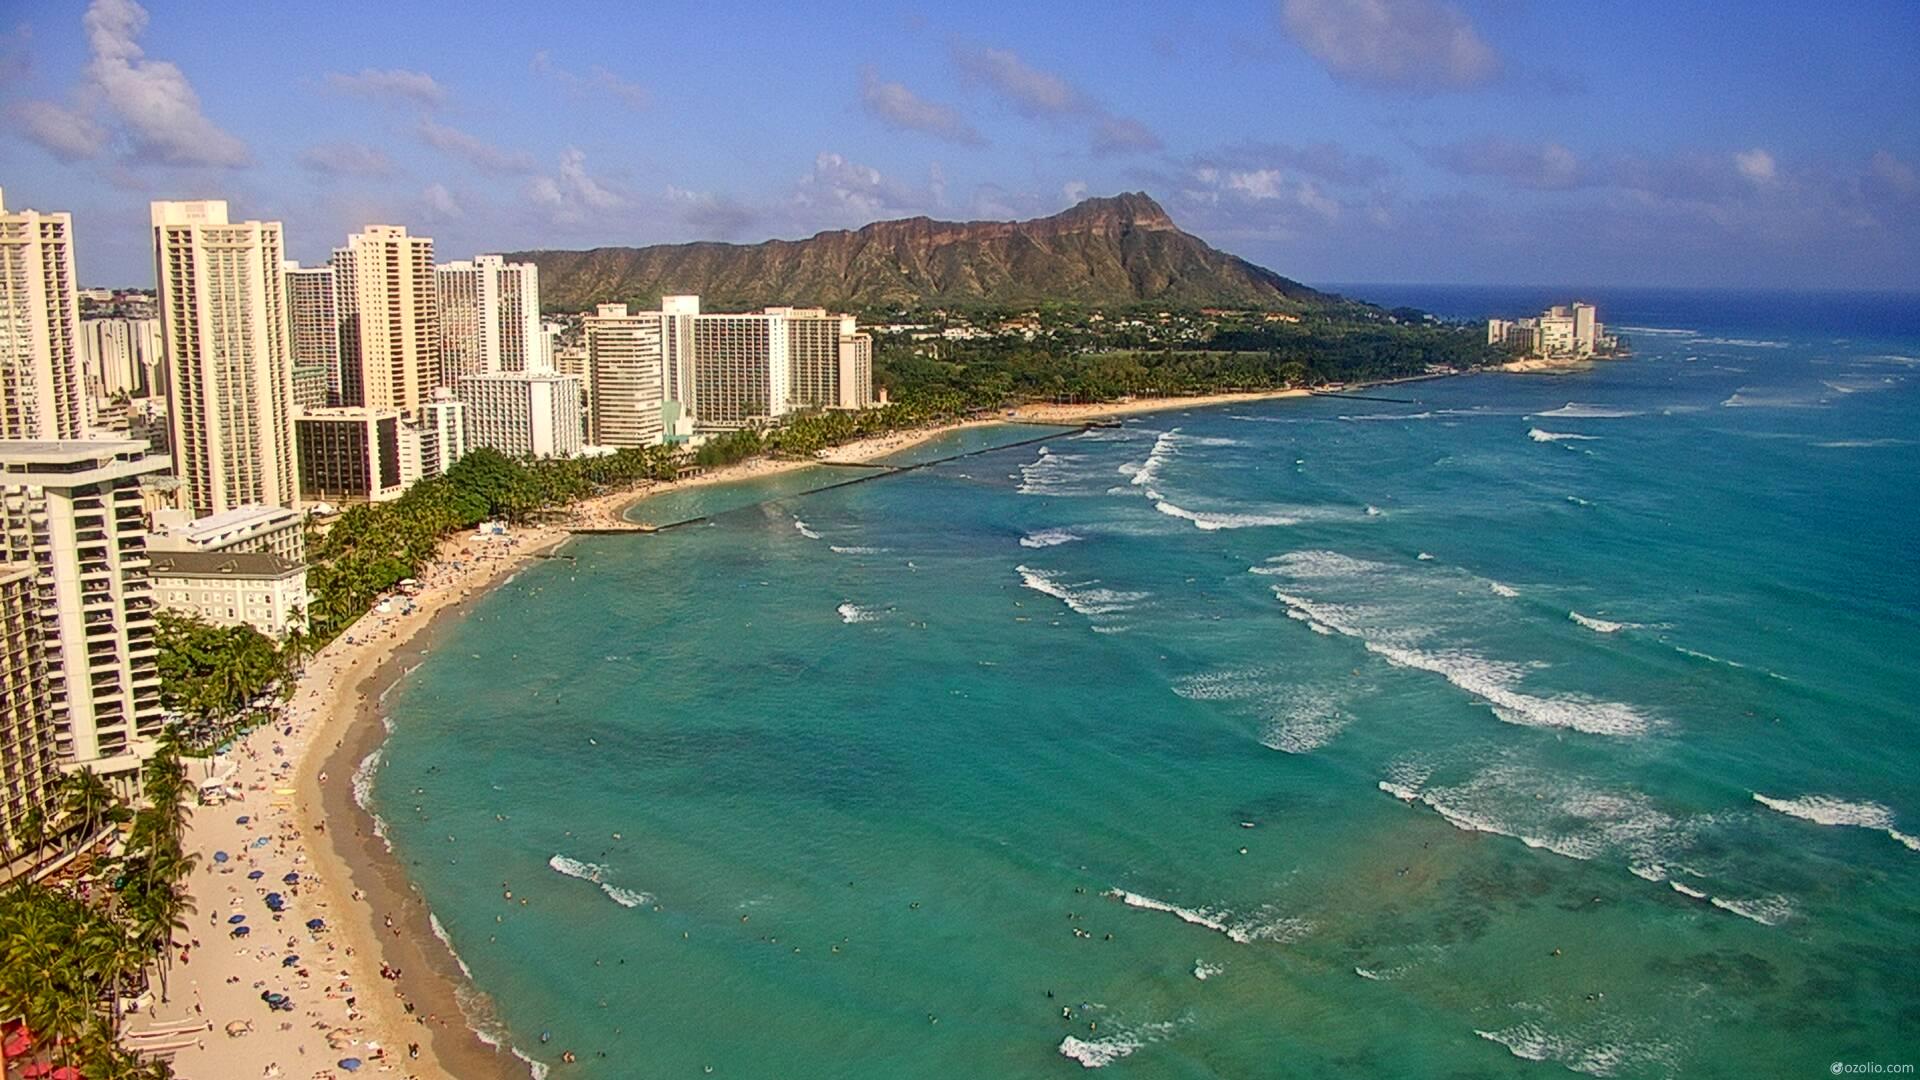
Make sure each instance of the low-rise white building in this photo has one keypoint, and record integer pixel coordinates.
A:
(523, 413)
(275, 530)
(228, 588)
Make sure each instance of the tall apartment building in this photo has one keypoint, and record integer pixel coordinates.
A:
(1560, 331)
(446, 415)
(350, 455)
(741, 370)
(389, 319)
(72, 510)
(489, 317)
(314, 315)
(831, 363)
(523, 413)
(41, 391)
(624, 365)
(223, 323)
(122, 356)
(29, 766)
(572, 360)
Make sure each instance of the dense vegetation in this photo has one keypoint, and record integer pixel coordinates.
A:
(991, 372)
(68, 960)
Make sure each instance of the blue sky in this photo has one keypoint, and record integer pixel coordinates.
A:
(1499, 141)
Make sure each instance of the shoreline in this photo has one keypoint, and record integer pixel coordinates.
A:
(363, 883)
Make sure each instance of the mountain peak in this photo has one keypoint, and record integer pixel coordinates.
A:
(1115, 250)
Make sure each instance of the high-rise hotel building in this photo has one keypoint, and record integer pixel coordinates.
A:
(224, 328)
(72, 511)
(314, 315)
(489, 317)
(29, 766)
(624, 363)
(389, 319)
(523, 413)
(42, 393)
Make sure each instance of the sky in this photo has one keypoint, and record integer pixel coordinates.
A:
(1771, 145)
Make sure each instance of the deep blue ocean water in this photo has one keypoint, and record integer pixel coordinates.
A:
(1522, 724)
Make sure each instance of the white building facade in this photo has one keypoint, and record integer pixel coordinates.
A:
(42, 394)
(523, 413)
(489, 317)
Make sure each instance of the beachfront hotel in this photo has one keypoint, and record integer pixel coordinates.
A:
(350, 454)
(41, 390)
(275, 530)
(1560, 331)
(389, 319)
(29, 765)
(314, 315)
(489, 317)
(523, 413)
(232, 588)
(624, 367)
(223, 325)
(72, 511)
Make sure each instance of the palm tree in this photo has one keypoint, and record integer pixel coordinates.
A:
(87, 801)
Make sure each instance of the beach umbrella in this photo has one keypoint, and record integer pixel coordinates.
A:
(289, 960)
(19, 1042)
(292, 878)
(237, 1028)
(272, 896)
(316, 924)
(256, 875)
(242, 820)
(220, 856)
(263, 841)
(349, 1064)
(241, 931)
(35, 1070)
(236, 920)
(65, 1072)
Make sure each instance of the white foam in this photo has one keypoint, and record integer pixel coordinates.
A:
(1602, 1053)
(1366, 974)
(1372, 510)
(1424, 557)
(1740, 343)
(1579, 411)
(1079, 597)
(1578, 501)
(1749, 398)
(1827, 810)
(596, 874)
(1507, 591)
(1099, 1053)
(1213, 522)
(1364, 417)
(1688, 890)
(1538, 435)
(853, 613)
(1049, 474)
(1146, 472)
(1204, 971)
(1656, 330)
(1046, 538)
(363, 778)
(1765, 910)
(1598, 626)
(1244, 932)
(804, 530)
(1858, 444)
(441, 933)
(1306, 722)
(838, 549)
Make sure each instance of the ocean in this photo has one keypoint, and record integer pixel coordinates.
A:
(1496, 726)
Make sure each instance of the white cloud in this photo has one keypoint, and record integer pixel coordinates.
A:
(397, 84)
(474, 150)
(1756, 165)
(1418, 45)
(1073, 191)
(440, 202)
(597, 82)
(1042, 95)
(901, 108)
(346, 159)
(573, 195)
(62, 132)
(149, 104)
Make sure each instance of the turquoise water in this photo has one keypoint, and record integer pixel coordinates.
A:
(857, 783)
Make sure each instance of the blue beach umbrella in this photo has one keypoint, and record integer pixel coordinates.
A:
(350, 1064)
(290, 960)
(220, 856)
(256, 875)
(236, 920)
(242, 820)
(263, 841)
(291, 878)
(241, 931)
(316, 924)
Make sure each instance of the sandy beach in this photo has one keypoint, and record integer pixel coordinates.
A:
(374, 982)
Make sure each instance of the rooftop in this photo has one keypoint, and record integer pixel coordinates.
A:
(250, 565)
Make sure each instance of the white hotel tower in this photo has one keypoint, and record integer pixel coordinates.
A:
(224, 327)
(42, 392)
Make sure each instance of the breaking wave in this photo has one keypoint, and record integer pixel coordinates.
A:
(1598, 626)
(804, 530)
(1099, 1053)
(1538, 435)
(1045, 538)
(1080, 597)
(851, 613)
(838, 549)
(1826, 810)
(1241, 931)
(1578, 411)
(596, 874)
